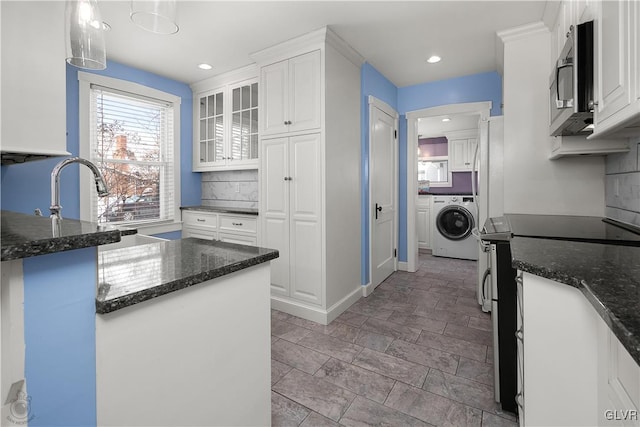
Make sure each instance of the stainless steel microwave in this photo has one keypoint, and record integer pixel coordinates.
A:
(571, 92)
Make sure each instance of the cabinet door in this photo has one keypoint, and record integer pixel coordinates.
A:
(422, 219)
(210, 127)
(306, 224)
(243, 140)
(304, 92)
(613, 75)
(33, 78)
(274, 192)
(458, 154)
(274, 82)
(472, 143)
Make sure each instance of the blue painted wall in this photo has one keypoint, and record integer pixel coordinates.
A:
(27, 186)
(373, 83)
(60, 338)
(474, 88)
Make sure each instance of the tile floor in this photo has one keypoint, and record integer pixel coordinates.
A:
(417, 352)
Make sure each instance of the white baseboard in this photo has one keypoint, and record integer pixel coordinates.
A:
(368, 289)
(315, 314)
(403, 266)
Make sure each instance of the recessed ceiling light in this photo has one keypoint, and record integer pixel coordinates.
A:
(205, 66)
(433, 59)
(446, 119)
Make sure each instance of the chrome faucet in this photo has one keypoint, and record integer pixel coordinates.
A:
(101, 186)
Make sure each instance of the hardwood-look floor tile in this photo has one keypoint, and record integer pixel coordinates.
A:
(374, 341)
(316, 394)
(288, 331)
(286, 412)
(365, 309)
(364, 412)
(393, 367)
(358, 380)
(489, 419)
(331, 346)
(418, 322)
(316, 420)
(430, 407)
(460, 389)
(345, 332)
(297, 356)
(352, 318)
(476, 371)
(308, 324)
(453, 345)
(482, 323)
(425, 356)
(391, 329)
(278, 370)
(442, 315)
(469, 334)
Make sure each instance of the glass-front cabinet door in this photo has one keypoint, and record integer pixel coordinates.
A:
(226, 134)
(211, 140)
(244, 122)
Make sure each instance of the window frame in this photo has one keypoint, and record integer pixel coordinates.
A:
(85, 81)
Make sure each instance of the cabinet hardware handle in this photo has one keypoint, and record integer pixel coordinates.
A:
(467, 163)
(237, 223)
(199, 220)
(288, 178)
(519, 400)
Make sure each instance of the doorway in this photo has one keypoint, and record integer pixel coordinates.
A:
(383, 193)
(482, 110)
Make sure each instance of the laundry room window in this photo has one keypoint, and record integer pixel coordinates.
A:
(132, 139)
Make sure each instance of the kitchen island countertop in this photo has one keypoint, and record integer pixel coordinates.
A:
(25, 236)
(607, 275)
(131, 275)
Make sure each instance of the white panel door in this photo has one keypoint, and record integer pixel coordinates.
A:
(306, 226)
(458, 154)
(274, 190)
(382, 169)
(304, 92)
(274, 103)
(613, 74)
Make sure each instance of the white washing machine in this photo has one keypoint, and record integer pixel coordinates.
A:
(454, 219)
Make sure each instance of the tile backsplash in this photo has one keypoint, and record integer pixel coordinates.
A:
(622, 184)
(237, 189)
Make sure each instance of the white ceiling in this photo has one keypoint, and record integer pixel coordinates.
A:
(432, 127)
(395, 37)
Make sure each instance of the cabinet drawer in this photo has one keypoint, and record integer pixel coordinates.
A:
(199, 233)
(239, 239)
(200, 219)
(241, 224)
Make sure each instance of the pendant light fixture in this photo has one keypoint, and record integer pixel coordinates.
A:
(157, 16)
(85, 35)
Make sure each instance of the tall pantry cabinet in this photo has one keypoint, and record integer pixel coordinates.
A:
(309, 173)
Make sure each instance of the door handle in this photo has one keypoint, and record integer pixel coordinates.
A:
(378, 209)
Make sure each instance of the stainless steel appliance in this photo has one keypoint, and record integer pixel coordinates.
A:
(571, 84)
(497, 233)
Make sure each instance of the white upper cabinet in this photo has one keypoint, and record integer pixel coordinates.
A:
(617, 69)
(462, 148)
(226, 122)
(33, 78)
(292, 94)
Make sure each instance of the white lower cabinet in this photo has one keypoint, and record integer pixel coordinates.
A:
(232, 228)
(423, 220)
(291, 187)
(575, 371)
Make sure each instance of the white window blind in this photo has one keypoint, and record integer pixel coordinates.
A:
(131, 142)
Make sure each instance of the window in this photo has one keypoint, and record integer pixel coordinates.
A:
(131, 136)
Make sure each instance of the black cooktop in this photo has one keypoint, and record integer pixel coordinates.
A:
(561, 227)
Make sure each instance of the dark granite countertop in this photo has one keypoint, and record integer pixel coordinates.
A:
(25, 236)
(135, 274)
(608, 276)
(239, 211)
